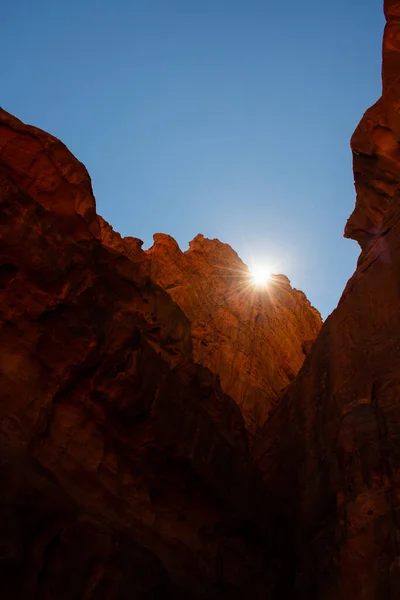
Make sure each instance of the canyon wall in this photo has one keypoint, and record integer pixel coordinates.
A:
(125, 470)
(331, 451)
(254, 339)
(125, 467)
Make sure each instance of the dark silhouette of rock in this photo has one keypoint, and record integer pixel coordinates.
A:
(253, 338)
(125, 470)
(331, 451)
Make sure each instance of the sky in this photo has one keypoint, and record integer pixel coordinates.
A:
(230, 118)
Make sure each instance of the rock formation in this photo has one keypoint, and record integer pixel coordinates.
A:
(331, 451)
(125, 470)
(254, 339)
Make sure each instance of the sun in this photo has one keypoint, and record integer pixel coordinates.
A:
(260, 275)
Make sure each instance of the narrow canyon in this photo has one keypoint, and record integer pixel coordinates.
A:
(169, 431)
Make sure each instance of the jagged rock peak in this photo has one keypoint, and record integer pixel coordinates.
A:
(254, 339)
(198, 244)
(165, 241)
(214, 247)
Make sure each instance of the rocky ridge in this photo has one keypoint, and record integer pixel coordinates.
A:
(254, 339)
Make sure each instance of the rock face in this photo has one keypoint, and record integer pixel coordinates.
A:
(331, 451)
(254, 339)
(375, 145)
(125, 470)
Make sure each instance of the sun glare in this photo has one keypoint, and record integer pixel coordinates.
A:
(260, 275)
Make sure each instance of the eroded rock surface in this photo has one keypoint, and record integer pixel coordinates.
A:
(125, 470)
(255, 339)
(331, 451)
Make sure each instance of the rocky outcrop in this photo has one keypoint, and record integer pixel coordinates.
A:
(125, 470)
(255, 339)
(331, 451)
(375, 145)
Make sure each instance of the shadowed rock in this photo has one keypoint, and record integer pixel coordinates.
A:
(252, 338)
(331, 451)
(125, 469)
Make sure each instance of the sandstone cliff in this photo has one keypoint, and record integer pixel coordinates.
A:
(331, 451)
(254, 339)
(125, 470)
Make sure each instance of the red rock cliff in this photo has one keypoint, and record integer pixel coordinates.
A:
(331, 451)
(254, 339)
(125, 470)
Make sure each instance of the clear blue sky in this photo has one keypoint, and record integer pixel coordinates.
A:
(227, 117)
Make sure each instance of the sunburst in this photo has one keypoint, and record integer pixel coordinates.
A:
(260, 275)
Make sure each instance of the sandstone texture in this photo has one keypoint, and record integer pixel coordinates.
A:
(331, 451)
(255, 339)
(125, 464)
(125, 470)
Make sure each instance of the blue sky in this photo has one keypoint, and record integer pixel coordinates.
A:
(227, 117)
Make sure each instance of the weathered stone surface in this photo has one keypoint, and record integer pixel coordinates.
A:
(375, 144)
(331, 451)
(125, 470)
(255, 339)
